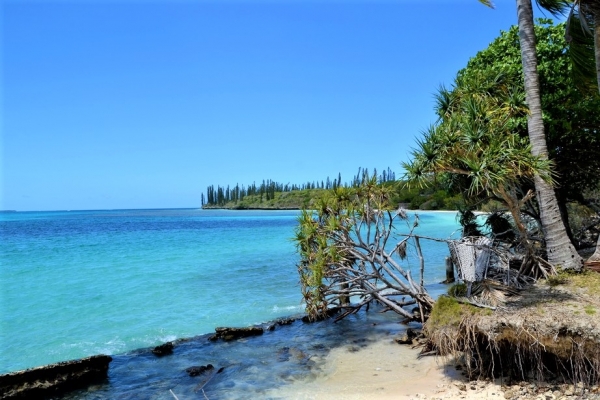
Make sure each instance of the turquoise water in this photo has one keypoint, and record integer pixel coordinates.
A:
(79, 283)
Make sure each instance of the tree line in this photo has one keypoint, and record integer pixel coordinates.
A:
(221, 195)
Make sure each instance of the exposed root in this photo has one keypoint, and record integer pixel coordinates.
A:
(546, 334)
(519, 353)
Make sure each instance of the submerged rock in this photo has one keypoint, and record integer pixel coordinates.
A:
(285, 320)
(163, 349)
(236, 333)
(195, 371)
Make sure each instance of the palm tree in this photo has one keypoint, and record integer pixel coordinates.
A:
(561, 251)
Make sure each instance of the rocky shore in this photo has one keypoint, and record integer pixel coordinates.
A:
(54, 379)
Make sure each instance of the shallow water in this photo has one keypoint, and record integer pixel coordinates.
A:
(80, 283)
(250, 366)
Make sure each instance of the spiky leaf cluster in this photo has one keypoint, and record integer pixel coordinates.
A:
(476, 138)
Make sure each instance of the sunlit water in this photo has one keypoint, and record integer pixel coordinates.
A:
(74, 284)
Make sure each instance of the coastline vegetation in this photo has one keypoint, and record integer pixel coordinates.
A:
(502, 320)
(490, 150)
(271, 195)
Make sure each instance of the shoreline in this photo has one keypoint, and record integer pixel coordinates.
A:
(386, 370)
(331, 362)
(374, 372)
(354, 366)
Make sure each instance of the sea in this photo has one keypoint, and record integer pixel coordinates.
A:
(119, 282)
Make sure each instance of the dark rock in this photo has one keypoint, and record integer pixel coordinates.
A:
(409, 336)
(54, 379)
(285, 321)
(195, 371)
(236, 333)
(403, 339)
(163, 349)
(414, 333)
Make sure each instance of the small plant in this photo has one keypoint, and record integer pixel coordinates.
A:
(458, 290)
(559, 279)
(590, 310)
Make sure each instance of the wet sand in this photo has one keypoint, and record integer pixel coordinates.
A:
(386, 370)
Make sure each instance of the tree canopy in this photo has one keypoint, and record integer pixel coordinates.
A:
(571, 116)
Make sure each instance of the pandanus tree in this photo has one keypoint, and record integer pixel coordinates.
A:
(349, 251)
(571, 115)
(476, 143)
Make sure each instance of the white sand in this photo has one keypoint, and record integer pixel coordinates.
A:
(386, 370)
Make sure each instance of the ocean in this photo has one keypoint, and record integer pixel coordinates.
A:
(117, 282)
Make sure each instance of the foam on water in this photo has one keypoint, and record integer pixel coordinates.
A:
(79, 283)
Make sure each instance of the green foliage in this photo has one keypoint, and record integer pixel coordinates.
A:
(434, 196)
(587, 280)
(458, 290)
(475, 139)
(500, 226)
(571, 116)
(561, 278)
(474, 147)
(479, 146)
(468, 220)
(273, 195)
(447, 311)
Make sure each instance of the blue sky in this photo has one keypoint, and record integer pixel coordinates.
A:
(142, 104)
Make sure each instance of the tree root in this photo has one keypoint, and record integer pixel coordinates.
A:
(519, 352)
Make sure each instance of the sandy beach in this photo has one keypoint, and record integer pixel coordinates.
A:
(387, 370)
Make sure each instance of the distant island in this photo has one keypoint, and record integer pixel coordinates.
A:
(271, 195)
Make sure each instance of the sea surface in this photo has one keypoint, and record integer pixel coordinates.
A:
(118, 282)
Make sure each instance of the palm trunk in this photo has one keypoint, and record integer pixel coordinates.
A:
(596, 13)
(597, 44)
(596, 255)
(561, 252)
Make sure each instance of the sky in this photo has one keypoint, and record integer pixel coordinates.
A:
(109, 104)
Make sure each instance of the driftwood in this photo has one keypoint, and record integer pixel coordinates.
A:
(377, 274)
(354, 253)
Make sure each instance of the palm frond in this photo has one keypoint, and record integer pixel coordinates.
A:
(581, 51)
(492, 293)
(556, 7)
